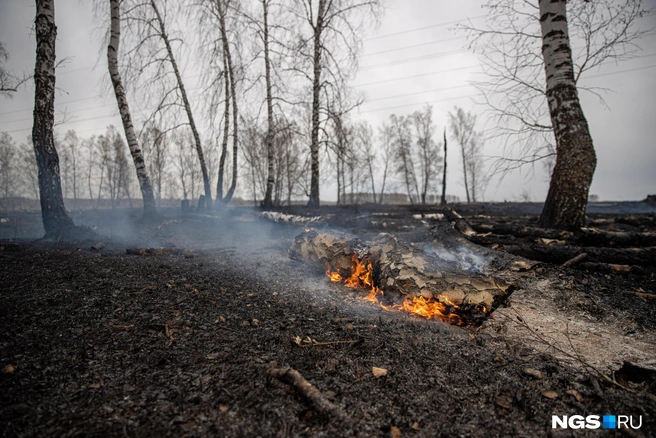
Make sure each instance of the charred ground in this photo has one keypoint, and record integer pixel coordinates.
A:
(103, 343)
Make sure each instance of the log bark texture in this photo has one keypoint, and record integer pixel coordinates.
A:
(412, 270)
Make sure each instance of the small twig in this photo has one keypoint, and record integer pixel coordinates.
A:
(575, 260)
(307, 390)
(570, 355)
(641, 295)
(316, 343)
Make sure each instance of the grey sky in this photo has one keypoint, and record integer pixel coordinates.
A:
(623, 133)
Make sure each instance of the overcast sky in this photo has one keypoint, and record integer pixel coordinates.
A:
(624, 133)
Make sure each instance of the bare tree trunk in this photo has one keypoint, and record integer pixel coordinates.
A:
(269, 138)
(443, 200)
(55, 218)
(373, 184)
(226, 133)
(575, 154)
(464, 172)
(235, 111)
(185, 100)
(150, 209)
(316, 95)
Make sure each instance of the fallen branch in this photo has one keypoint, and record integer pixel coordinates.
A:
(459, 222)
(561, 253)
(575, 260)
(320, 403)
(610, 268)
(641, 295)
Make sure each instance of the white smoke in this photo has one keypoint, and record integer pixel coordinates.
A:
(463, 258)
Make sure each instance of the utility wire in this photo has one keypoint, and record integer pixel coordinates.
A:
(446, 23)
(476, 95)
(386, 108)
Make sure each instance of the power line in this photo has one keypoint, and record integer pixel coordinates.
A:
(475, 95)
(415, 45)
(418, 92)
(422, 103)
(70, 123)
(415, 59)
(415, 76)
(421, 28)
(58, 103)
(622, 71)
(464, 68)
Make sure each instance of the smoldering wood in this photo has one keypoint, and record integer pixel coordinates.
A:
(561, 253)
(430, 269)
(556, 246)
(458, 222)
(584, 236)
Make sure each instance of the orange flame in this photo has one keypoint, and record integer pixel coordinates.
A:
(362, 277)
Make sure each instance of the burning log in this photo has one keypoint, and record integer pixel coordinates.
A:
(430, 280)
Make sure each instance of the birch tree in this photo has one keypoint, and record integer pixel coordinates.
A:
(330, 44)
(427, 151)
(124, 110)
(462, 126)
(405, 161)
(268, 201)
(153, 71)
(56, 221)
(575, 154)
(514, 90)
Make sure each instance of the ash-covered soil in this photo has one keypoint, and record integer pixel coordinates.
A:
(102, 343)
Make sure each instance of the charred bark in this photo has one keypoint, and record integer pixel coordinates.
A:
(584, 236)
(56, 221)
(148, 197)
(429, 271)
(561, 253)
(575, 154)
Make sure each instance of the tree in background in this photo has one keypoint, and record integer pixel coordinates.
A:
(9, 177)
(155, 145)
(330, 25)
(427, 151)
(153, 71)
(463, 127)
(124, 109)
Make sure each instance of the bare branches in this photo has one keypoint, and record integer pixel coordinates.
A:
(509, 45)
(9, 82)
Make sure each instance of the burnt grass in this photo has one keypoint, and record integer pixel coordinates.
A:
(103, 343)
